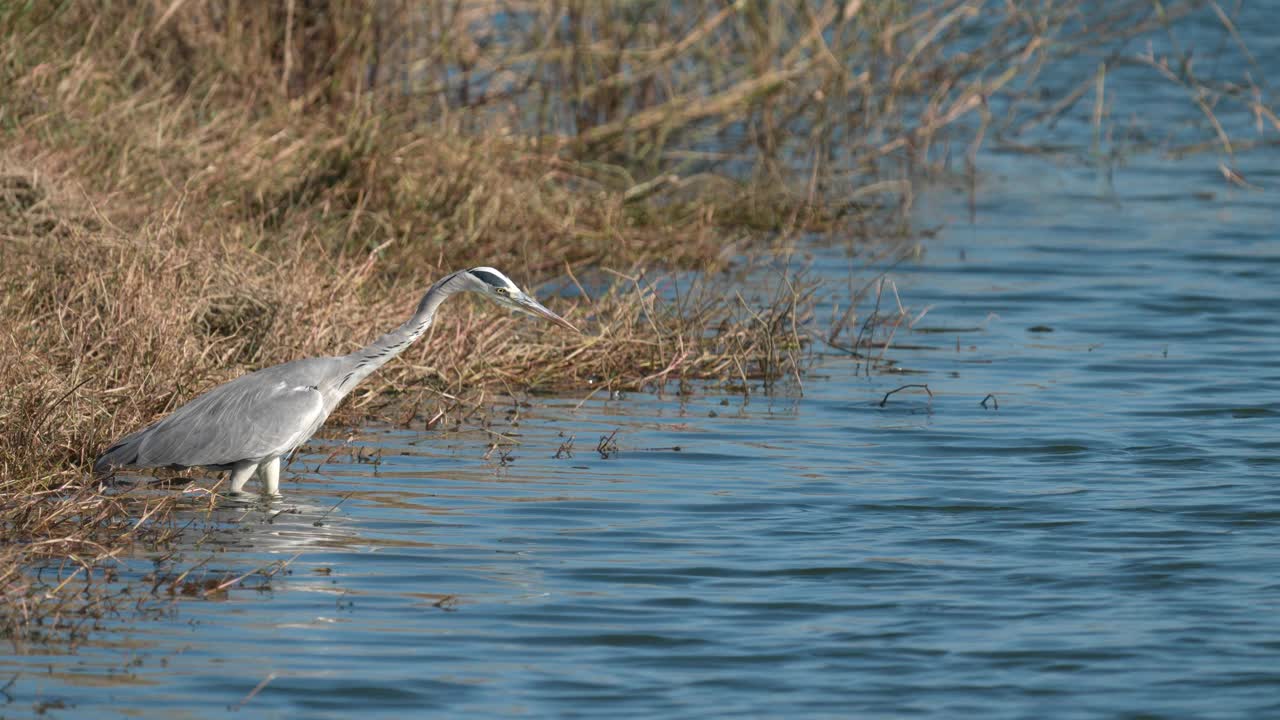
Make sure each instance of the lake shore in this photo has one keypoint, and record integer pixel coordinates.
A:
(188, 196)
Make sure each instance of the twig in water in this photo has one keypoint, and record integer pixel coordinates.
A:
(320, 521)
(885, 400)
(588, 397)
(271, 520)
(857, 342)
(5, 690)
(333, 455)
(607, 445)
(509, 440)
(174, 584)
(435, 419)
(504, 453)
(566, 449)
(256, 689)
(993, 400)
(279, 565)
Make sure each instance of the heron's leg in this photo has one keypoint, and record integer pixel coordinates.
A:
(240, 474)
(271, 476)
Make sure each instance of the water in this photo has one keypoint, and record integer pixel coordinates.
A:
(1107, 542)
(1104, 543)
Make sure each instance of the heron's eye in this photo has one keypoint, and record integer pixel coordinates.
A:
(502, 291)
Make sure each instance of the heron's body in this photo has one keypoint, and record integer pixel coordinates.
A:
(248, 424)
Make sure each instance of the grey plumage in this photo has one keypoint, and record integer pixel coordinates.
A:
(246, 425)
(254, 417)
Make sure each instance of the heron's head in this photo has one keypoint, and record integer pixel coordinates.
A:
(499, 288)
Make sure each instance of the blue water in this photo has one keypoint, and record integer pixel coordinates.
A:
(1105, 543)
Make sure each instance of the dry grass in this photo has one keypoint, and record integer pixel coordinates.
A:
(61, 547)
(190, 190)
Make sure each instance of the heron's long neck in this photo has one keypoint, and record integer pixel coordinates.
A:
(376, 354)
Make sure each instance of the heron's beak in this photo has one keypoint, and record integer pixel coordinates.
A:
(528, 304)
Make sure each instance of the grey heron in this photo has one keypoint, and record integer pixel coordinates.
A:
(247, 425)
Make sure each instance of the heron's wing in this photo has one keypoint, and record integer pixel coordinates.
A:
(253, 417)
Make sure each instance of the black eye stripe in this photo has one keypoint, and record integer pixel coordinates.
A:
(489, 278)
